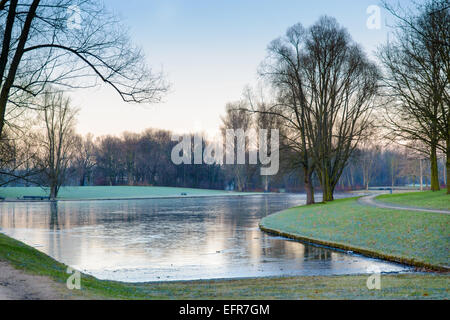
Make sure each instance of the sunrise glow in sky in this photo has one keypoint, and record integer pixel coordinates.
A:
(209, 50)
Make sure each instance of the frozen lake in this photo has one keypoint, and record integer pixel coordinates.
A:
(175, 239)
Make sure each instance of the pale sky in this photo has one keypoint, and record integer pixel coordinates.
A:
(209, 50)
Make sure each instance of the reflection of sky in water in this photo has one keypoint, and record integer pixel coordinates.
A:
(174, 239)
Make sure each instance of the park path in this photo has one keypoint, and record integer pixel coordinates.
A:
(18, 285)
(370, 201)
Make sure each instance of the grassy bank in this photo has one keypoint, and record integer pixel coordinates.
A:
(398, 235)
(427, 199)
(406, 286)
(106, 192)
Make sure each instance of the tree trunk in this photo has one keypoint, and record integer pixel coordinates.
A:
(19, 51)
(328, 193)
(308, 186)
(266, 183)
(421, 175)
(392, 174)
(447, 165)
(434, 170)
(327, 189)
(53, 191)
(82, 180)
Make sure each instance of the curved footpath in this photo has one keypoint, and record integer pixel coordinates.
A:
(371, 201)
(344, 225)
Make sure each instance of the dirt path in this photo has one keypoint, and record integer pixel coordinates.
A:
(370, 201)
(18, 285)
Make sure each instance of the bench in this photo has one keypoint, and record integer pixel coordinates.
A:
(35, 198)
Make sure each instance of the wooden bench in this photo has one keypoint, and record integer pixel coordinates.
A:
(35, 198)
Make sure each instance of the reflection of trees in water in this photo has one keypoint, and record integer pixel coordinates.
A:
(203, 228)
(283, 248)
(8, 215)
(317, 253)
(54, 238)
(244, 211)
(54, 224)
(67, 215)
(241, 213)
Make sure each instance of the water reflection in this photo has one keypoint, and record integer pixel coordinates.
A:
(54, 225)
(173, 239)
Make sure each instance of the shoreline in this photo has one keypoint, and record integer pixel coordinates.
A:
(348, 246)
(28, 274)
(50, 275)
(10, 200)
(357, 250)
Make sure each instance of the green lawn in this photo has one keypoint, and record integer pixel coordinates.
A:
(406, 236)
(403, 286)
(427, 199)
(102, 192)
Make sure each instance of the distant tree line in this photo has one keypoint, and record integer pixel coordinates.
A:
(50, 154)
(344, 121)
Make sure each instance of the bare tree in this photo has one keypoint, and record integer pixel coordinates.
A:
(282, 69)
(158, 159)
(417, 78)
(237, 118)
(71, 44)
(84, 158)
(16, 157)
(342, 86)
(261, 106)
(8, 154)
(394, 164)
(109, 158)
(368, 161)
(326, 89)
(56, 141)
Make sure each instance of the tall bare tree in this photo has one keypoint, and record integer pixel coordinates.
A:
(367, 160)
(326, 88)
(342, 86)
(260, 106)
(56, 140)
(237, 118)
(282, 69)
(68, 43)
(417, 78)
